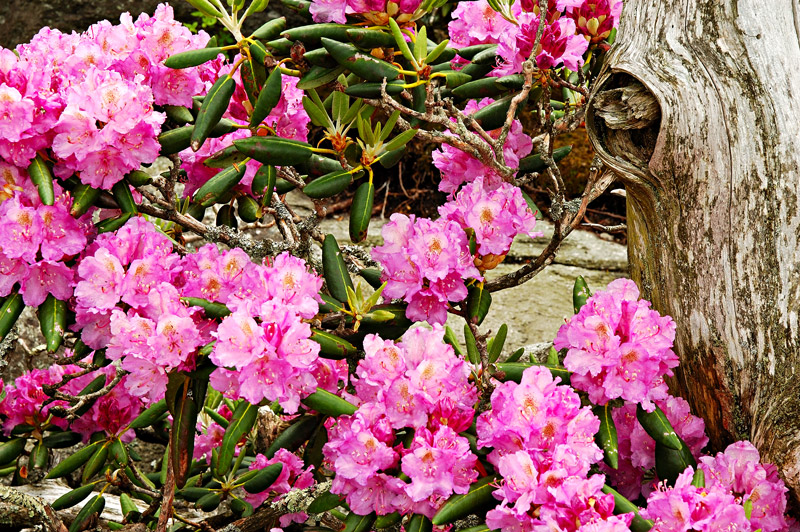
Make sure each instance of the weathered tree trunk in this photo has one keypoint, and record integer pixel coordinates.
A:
(714, 203)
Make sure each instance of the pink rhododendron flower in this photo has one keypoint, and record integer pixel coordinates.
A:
(738, 472)
(618, 347)
(294, 475)
(23, 401)
(559, 45)
(476, 23)
(429, 270)
(496, 216)
(594, 19)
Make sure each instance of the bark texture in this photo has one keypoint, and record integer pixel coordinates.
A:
(714, 203)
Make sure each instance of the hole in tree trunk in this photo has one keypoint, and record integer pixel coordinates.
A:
(626, 119)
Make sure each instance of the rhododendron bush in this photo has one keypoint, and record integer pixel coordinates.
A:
(317, 380)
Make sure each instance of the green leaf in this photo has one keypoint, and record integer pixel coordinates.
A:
(385, 521)
(242, 422)
(400, 140)
(334, 270)
(373, 90)
(209, 502)
(73, 462)
(206, 8)
(83, 197)
(434, 54)
(270, 30)
(361, 211)
(699, 481)
(53, 321)
(369, 39)
(212, 310)
(455, 79)
(214, 106)
(328, 185)
(480, 88)
(60, 440)
(225, 158)
(192, 58)
(457, 507)
(580, 293)
(478, 302)
(313, 34)
(42, 177)
(486, 57)
(624, 506)
(401, 42)
(358, 523)
(295, 435)
(127, 505)
(112, 224)
(450, 338)
(318, 76)
(473, 354)
(248, 209)
(331, 346)
(124, 197)
(327, 403)
(10, 450)
(658, 427)
(534, 163)
(471, 51)
(71, 498)
(498, 343)
(94, 506)
(359, 63)
(606, 437)
(151, 415)
(274, 151)
(324, 502)
(421, 44)
(372, 276)
(670, 463)
(268, 98)
(317, 113)
(183, 399)
(10, 311)
(218, 186)
(513, 371)
(264, 182)
(263, 479)
(419, 523)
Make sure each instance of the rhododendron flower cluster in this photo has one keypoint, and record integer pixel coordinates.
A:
(425, 262)
(35, 242)
(294, 475)
(90, 96)
(542, 444)
(457, 167)
(111, 413)
(637, 450)
(373, 11)
(594, 19)
(495, 216)
(23, 401)
(739, 472)
(418, 383)
(619, 347)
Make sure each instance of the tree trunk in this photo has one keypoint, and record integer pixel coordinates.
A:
(714, 202)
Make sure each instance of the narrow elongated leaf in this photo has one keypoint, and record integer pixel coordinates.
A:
(334, 270)
(459, 506)
(385, 521)
(192, 58)
(264, 182)
(212, 309)
(606, 437)
(513, 371)
(580, 293)
(42, 177)
(373, 90)
(624, 506)
(421, 44)
(361, 211)
(324, 502)
(151, 415)
(358, 523)
(295, 435)
(328, 185)
(400, 140)
(53, 321)
(472, 346)
(498, 343)
(94, 506)
(313, 34)
(400, 41)
(209, 502)
(214, 106)
(127, 505)
(368, 39)
(96, 462)
(534, 163)
(318, 76)
(263, 479)
(331, 346)
(270, 30)
(218, 186)
(242, 422)
(478, 303)
(70, 464)
(419, 523)
(480, 88)
(71, 498)
(112, 224)
(670, 463)
(268, 98)
(327, 403)
(10, 311)
(60, 440)
(658, 427)
(359, 63)
(248, 209)
(83, 197)
(10, 450)
(274, 151)
(438, 51)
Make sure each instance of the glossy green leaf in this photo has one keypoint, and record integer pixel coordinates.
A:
(95, 505)
(331, 346)
(268, 98)
(361, 211)
(274, 151)
(263, 479)
(318, 76)
(418, 523)
(480, 88)
(71, 498)
(658, 427)
(214, 106)
(112, 224)
(270, 30)
(337, 278)
(152, 414)
(209, 502)
(327, 403)
(313, 34)
(323, 503)
(264, 182)
(478, 303)
(385, 521)
(580, 293)
(497, 344)
(42, 177)
(368, 39)
(218, 186)
(248, 209)
(476, 499)
(328, 185)
(473, 354)
(362, 64)
(358, 523)
(10, 450)
(400, 140)
(60, 440)
(179, 114)
(53, 321)
(295, 435)
(606, 437)
(192, 58)
(242, 422)
(534, 163)
(624, 506)
(96, 462)
(10, 311)
(83, 197)
(670, 463)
